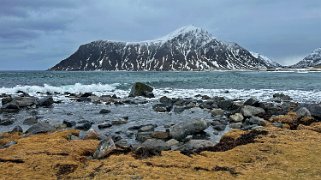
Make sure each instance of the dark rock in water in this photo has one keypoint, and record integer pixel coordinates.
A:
(181, 130)
(160, 135)
(116, 137)
(196, 146)
(302, 112)
(281, 97)
(145, 128)
(119, 121)
(255, 120)
(46, 101)
(30, 121)
(6, 100)
(17, 129)
(210, 104)
(86, 95)
(40, 127)
(69, 124)
(167, 101)
(84, 125)
(25, 101)
(227, 105)
(143, 136)
(6, 122)
(220, 127)
(179, 109)
(104, 111)
(105, 148)
(161, 108)
(12, 106)
(249, 111)
(252, 102)
(205, 97)
(104, 125)
(140, 89)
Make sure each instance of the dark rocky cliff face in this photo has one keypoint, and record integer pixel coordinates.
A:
(188, 48)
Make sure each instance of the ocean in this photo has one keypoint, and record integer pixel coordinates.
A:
(302, 87)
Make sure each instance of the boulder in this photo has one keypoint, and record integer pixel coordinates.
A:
(90, 134)
(104, 111)
(217, 112)
(30, 121)
(6, 100)
(237, 117)
(155, 144)
(255, 120)
(282, 97)
(167, 101)
(25, 101)
(140, 89)
(302, 112)
(227, 105)
(236, 125)
(162, 108)
(104, 125)
(315, 110)
(69, 124)
(84, 125)
(143, 136)
(105, 148)
(45, 101)
(119, 121)
(249, 111)
(6, 122)
(196, 146)
(160, 135)
(12, 106)
(148, 127)
(172, 142)
(179, 109)
(181, 130)
(40, 127)
(252, 102)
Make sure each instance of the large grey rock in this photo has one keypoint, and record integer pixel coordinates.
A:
(25, 101)
(303, 111)
(181, 130)
(6, 100)
(30, 121)
(40, 127)
(6, 122)
(217, 112)
(249, 111)
(237, 117)
(315, 110)
(196, 146)
(140, 89)
(167, 101)
(155, 144)
(12, 106)
(255, 120)
(162, 108)
(45, 101)
(281, 97)
(105, 148)
(251, 102)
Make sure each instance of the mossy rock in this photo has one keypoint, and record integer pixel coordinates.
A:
(141, 89)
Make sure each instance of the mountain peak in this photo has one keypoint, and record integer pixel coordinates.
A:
(190, 29)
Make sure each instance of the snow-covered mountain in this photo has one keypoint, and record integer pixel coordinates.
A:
(188, 48)
(312, 60)
(269, 62)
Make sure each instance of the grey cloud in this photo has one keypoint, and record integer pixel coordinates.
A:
(46, 31)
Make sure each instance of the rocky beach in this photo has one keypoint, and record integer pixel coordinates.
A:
(204, 135)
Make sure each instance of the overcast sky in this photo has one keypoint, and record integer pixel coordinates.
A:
(37, 34)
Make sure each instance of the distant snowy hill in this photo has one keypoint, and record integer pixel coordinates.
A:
(188, 48)
(268, 61)
(312, 60)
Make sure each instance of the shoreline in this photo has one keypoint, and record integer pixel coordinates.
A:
(237, 125)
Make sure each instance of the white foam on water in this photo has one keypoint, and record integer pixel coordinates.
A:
(110, 89)
(261, 94)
